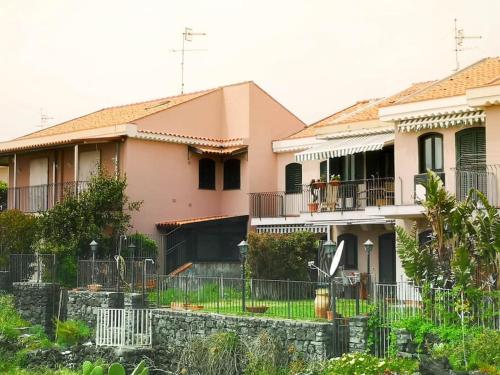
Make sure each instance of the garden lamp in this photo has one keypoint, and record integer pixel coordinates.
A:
(93, 248)
(243, 246)
(368, 248)
(330, 248)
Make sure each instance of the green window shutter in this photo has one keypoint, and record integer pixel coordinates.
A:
(293, 178)
(471, 148)
(359, 167)
(322, 171)
(335, 166)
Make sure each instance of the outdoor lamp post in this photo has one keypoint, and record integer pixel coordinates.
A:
(368, 248)
(93, 248)
(330, 248)
(243, 247)
(131, 248)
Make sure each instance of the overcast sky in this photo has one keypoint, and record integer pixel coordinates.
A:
(315, 57)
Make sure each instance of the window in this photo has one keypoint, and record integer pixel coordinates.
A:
(352, 167)
(350, 254)
(293, 178)
(430, 152)
(231, 174)
(206, 174)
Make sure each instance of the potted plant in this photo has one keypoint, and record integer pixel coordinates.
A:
(321, 183)
(314, 205)
(257, 309)
(335, 180)
(94, 287)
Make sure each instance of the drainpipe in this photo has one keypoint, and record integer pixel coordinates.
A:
(117, 159)
(54, 179)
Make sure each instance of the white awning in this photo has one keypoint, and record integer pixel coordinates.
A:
(283, 229)
(346, 146)
(442, 121)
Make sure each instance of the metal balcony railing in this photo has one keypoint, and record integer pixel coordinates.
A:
(324, 197)
(40, 198)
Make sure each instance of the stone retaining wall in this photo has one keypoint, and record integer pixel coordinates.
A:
(37, 302)
(173, 329)
(83, 305)
(358, 334)
(5, 284)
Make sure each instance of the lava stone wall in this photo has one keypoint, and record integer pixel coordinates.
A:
(173, 329)
(37, 302)
(83, 305)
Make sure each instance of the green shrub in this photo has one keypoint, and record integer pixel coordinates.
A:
(10, 320)
(17, 234)
(367, 364)
(71, 332)
(281, 256)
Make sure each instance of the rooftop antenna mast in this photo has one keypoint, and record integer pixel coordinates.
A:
(187, 36)
(459, 42)
(44, 119)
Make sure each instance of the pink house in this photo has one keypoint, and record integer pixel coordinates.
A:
(192, 159)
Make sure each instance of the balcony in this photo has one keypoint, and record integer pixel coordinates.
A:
(323, 197)
(39, 198)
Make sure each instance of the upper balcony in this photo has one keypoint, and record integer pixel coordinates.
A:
(40, 198)
(323, 197)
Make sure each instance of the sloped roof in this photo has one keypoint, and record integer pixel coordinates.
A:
(122, 114)
(478, 74)
(364, 110)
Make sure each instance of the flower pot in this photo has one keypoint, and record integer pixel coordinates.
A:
(194, 307)
(329, 315)
(313, 207)
(320, 185)
(321, 303)
(335, 182)
(178, 305)
(94, 287)
(257, 309)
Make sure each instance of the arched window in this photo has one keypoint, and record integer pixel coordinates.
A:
(232, 174)
(430, 147)
(425, 237)
(350, 254)
(206, 173)
(293, 178)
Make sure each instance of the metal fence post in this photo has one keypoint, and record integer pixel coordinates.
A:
(218, 294)
(356, 290)
(333, 302)
(289, 314)
(158, 290)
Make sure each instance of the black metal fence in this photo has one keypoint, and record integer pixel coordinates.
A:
(40, 198)
(324, 197)
(126, 274)
(36, 268)
(272, 298)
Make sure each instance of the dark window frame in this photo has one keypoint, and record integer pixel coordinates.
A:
(353, 265)
(232, 174)
(293, 178)
(422, 165)
(206, 174)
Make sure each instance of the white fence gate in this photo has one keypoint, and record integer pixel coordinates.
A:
(124, 327)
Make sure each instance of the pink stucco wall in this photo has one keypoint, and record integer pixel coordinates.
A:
(168, 184)
(493, 135)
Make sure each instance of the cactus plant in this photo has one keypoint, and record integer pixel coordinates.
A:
(87, 367)
(141, 369)
(116, 369)
(97, 371)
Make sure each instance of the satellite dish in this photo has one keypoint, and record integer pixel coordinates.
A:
(336, 258)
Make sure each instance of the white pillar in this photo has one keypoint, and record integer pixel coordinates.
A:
(76, 161)
(14, 180)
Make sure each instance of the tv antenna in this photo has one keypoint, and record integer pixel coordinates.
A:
(187, 36)
(459, 42)
(44, 119)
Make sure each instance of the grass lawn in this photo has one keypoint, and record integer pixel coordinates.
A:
(230, 303)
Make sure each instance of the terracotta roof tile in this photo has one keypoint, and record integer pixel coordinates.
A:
(475, 75)
(176, 223)
(364, 110)
(120, 114)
